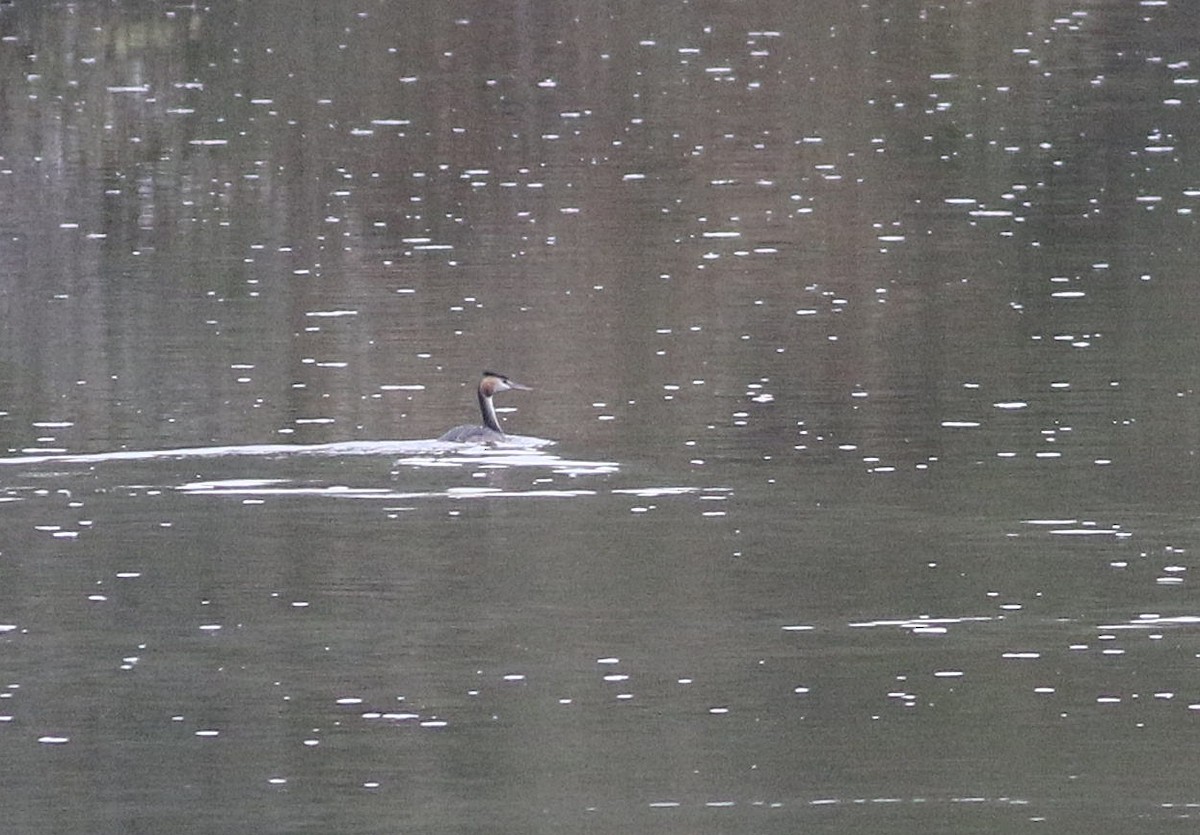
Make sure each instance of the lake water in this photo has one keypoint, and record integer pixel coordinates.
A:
(865, 335)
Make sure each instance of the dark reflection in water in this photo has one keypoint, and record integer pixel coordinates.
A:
(865, 335)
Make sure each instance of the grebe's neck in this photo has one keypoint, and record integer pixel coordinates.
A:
(488, 411)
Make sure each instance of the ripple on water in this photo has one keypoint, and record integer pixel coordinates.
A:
(520, 451)
(922, 624)
(523, 453)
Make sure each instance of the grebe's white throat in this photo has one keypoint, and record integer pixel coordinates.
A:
(490, 431)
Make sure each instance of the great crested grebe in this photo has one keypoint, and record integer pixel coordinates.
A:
(490, 431)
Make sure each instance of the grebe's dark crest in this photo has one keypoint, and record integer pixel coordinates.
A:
(490, 431)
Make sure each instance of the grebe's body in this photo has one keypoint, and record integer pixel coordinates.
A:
(490, 431)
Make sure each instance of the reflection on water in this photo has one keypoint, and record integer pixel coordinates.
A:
(866, 336)
(516, 452)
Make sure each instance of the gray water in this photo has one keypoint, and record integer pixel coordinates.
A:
(856, 491)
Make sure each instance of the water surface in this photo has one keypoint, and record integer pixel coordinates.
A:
(864, 338)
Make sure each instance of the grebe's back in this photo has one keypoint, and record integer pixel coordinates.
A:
(490, 431)
(468, 434)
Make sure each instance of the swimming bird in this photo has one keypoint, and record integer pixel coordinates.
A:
(490, 431)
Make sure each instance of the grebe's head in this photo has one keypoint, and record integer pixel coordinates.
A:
(493, 382)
